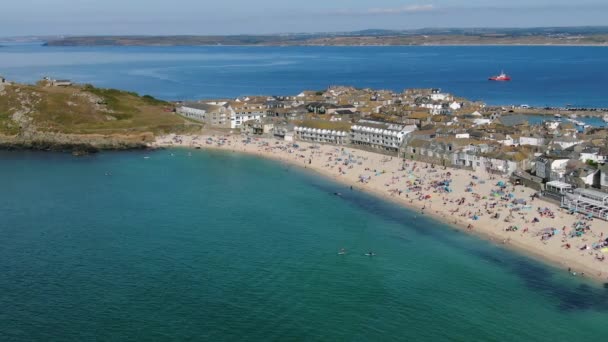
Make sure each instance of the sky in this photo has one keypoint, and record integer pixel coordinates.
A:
(166, 17)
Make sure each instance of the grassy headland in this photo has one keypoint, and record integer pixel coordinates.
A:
(100, 117)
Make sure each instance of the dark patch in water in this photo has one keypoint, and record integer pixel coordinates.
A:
(536, 276)
(387, 211)
(540, 279)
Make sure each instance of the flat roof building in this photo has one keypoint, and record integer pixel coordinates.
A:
(587, 201)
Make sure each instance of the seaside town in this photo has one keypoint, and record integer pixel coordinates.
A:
(388, 170)
(534, 179)
(560, 155)
(541, 187)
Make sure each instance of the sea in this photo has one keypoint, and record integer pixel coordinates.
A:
(542, 75)
(215, 246)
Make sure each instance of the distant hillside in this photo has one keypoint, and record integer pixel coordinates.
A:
(43, 115)
(428, 36)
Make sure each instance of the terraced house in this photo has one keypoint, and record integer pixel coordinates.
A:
(245, 111)
(320, 135)
(379, 135)
(216, 114)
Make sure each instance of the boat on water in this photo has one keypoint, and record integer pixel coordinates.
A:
(501, 77)
(579, 123)
(605, 118)
(557, 116)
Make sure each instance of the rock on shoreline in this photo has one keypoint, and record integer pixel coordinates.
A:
(77, 144)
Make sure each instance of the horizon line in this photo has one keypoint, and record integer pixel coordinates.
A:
(413, 30)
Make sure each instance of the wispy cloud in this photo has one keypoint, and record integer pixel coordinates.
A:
(388, 11)
(426, 8)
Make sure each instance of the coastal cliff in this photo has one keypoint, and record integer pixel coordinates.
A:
(82, 119)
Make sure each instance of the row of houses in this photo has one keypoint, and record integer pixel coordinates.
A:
(387, 137)
(222, 114)
(341, 103)
(426, 125)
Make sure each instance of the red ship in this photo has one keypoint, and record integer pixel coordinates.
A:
(501, 77)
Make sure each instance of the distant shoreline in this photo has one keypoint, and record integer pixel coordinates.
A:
(332, 45)
(456, 37)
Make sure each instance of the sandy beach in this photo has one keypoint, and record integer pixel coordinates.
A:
(476, 202)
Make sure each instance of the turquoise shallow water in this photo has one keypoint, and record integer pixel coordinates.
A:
(229, 247)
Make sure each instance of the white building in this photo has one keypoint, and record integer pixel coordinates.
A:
(326, 136)
(503, 166)
(216, 114)
(379, 135)
(222, 114)
(552, 125)
(481, 122)
(455, 105)
(62, 83)
(587, 201)
(507, 140)
(565, 142)
(592, 154)
(551, 168)
(245, 111)
(434, 108)
(440, 97)
(237, 119)
(532, 141)
(196, 111)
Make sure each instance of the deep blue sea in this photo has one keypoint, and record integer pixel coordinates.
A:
(542, 76)
(226, 247)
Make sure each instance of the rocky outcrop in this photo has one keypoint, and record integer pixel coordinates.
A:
(75, 143)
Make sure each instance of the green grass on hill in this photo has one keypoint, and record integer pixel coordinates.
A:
(86, 109)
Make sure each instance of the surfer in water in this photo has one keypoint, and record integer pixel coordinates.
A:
(370, 254)
(342, 251)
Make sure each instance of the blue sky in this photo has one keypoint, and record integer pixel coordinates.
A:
(38, 17)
